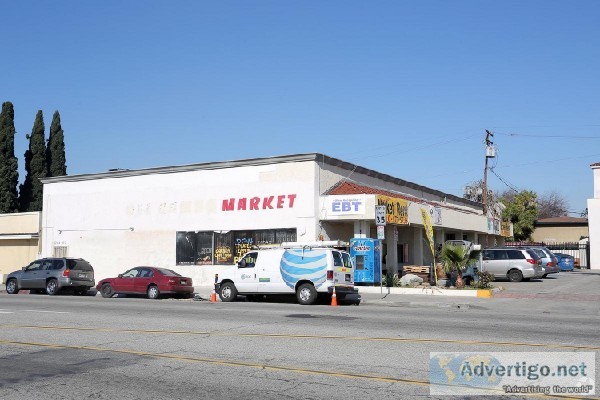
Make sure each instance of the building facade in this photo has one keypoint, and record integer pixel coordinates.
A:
(560, 229)
(19, 235)
(196, 218)
(594, 219)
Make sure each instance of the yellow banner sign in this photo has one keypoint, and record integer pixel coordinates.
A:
(428, 229)
(505, 229)
(396, 210)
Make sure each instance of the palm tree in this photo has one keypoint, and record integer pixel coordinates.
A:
(457, 258)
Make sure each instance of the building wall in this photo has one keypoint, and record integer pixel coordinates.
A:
(119, 223)
(18, 241)
(559, 233)
(594, 230)
(15, 254)
(596, 172)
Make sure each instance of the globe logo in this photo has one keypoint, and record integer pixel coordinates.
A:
(454, 373)
(303, 264)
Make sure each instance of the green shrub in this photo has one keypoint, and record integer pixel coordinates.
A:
(391, 280)
(484, 280)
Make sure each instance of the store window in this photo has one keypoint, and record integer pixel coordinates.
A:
(199, 248)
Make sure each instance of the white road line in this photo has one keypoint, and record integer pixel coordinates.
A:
(6, 312)
(50, 312)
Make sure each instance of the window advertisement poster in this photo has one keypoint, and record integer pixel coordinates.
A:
(242, 244)
(225, 247)
(186, 248)
(396, 209)
(204, 244)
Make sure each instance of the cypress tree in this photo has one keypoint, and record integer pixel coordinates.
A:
(55, 153)
(9, 172)
(35, 167)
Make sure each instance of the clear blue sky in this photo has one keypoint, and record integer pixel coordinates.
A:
(405, 88)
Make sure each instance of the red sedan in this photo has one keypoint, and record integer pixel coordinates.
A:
(151, 281)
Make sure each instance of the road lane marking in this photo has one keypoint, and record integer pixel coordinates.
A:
(6, 312)
(49, 312)
(292, 336)
(279, 368)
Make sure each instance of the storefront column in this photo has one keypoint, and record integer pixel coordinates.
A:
(392, 249)
(418, 236)
(361, 229)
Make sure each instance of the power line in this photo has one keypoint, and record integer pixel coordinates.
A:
(549, 136)
(503, 181)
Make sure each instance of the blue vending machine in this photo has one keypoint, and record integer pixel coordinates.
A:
(366, 256)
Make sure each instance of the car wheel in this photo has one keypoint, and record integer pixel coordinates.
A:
(228, 292)
(153, 292)
(306, 294)
(52, 287)
(11, 286)
(107, 291)
(515, 275)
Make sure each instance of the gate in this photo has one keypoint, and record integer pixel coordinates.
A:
(579, 250)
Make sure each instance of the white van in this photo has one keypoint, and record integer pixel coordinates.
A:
(301, 269)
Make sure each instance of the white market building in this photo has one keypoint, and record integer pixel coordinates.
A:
(195, 218)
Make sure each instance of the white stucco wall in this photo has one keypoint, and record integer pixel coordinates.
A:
(594, 221)
(119, 223)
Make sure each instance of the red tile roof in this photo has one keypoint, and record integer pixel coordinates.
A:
(348, 187)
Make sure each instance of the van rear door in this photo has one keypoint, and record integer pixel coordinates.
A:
(343, 273)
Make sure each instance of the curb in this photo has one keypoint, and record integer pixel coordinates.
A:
(431, 291)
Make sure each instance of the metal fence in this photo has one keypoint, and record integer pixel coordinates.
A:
(579, 250)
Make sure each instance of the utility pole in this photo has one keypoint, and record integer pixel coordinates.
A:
(489, 153)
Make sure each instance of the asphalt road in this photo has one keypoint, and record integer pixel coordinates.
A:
(68, 347)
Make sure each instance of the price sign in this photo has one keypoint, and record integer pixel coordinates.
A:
(380, 215)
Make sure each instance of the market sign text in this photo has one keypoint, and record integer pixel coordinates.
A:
(259, 203)
(396, 209)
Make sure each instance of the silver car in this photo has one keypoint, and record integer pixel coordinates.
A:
(52, 275)
(512, 263)
(549, 260)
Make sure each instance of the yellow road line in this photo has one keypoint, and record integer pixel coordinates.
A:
(231, 363)
(324, 337)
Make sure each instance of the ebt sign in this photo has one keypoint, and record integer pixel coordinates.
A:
(345, 205)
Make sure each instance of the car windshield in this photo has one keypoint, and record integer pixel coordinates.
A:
(167, 272)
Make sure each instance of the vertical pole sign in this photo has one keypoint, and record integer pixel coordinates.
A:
(429, 234)
(380, 219)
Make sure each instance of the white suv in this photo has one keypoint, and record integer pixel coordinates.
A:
(512, 263)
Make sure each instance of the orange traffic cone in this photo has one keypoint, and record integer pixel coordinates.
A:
(334, 298)
(213, 296)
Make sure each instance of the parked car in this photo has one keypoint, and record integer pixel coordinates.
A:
(549, 261)
(465, 244)
(151, 281)
(514, 263)
(566, 262)
(53, 275)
